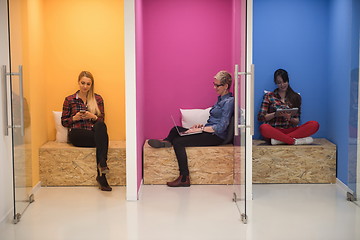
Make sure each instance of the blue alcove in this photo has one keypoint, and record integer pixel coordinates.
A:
(317, 42)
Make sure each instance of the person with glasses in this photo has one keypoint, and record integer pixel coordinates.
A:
(83, 113)
(284, 128)
(213, 133)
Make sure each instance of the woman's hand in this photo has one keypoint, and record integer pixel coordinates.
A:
(269, 116)
(287, 116)
(295, 121)
(197, 126)
(89, 115)
(77, 116)
(84, 115)
(192, 129)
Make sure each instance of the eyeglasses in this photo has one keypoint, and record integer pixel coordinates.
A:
(218, 85)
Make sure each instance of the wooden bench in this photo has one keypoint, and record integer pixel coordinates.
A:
(314, 163)
(207, 165)
(62, 164)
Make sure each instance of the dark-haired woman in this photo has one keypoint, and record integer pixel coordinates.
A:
(284, 128)
(83, 113)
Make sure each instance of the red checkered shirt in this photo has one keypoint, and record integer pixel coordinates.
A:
(74, 104)
(270, 103)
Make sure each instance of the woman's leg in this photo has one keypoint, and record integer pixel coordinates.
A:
(174, 133)
(101, 139)
(179, 144)
(166, 142)
(305, 130)
(267, 131)
(81, 137)
(97, 138)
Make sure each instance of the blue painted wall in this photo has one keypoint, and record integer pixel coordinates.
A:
(339, 81)
(292, 34)
(313, 41)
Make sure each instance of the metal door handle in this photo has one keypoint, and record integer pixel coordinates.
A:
(21, 95)
(5, 100)
(251, 111)
(236, 105)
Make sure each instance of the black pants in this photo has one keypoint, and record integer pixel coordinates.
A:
(98, 138)
(179, 144)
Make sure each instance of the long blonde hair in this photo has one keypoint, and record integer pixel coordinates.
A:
(90, 98)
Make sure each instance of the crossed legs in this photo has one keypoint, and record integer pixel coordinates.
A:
(289, 135)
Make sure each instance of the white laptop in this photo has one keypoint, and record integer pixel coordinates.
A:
(183, 133)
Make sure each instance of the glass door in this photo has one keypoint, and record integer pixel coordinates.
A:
(243, 114)
(19, 112)
(5, 132)
(354, 146)
(354, 121)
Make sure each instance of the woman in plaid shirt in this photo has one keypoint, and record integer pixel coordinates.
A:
(283, 128)
(83, 114)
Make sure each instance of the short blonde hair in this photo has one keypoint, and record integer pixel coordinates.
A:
(224, 77)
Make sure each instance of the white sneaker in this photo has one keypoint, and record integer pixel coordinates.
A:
(276, 142)
(301, 141)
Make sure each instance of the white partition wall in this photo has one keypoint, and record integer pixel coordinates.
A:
(132, 145)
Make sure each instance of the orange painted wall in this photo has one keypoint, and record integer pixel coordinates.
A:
(85, 35)
(55, 40)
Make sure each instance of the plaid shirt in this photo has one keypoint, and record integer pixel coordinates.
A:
(74, 104)
(270, 103)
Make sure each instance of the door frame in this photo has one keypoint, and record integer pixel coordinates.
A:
(249, 98)
(133, 146)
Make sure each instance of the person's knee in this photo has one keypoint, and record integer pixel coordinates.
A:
(264, 127)
(315, 125)
(100, 126)
(178, 142)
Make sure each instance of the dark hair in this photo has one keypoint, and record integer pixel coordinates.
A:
(291, 97)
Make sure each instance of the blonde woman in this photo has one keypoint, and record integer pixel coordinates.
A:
(83, 114)
(213, 133)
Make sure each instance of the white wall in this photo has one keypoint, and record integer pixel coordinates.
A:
(6, 193)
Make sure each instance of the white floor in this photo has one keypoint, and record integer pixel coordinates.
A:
(278, 212)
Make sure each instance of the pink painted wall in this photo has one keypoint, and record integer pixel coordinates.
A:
(181, 45)
(186, 43)
(239, 45)
(140, 88)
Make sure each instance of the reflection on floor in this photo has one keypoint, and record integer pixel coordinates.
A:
(199, 212)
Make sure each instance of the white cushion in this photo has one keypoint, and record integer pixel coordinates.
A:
(190, 117)
(61, 131)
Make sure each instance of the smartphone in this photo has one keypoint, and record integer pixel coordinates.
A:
(82, 111)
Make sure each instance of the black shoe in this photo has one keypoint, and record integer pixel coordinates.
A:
(103, 184)
(155, 143)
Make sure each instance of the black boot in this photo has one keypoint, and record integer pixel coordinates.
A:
(103, 184)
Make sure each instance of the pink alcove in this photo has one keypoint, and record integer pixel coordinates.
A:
(180, 46)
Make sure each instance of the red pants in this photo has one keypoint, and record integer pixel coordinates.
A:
(288, 135)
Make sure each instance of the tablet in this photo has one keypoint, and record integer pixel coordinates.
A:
(292, 111)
